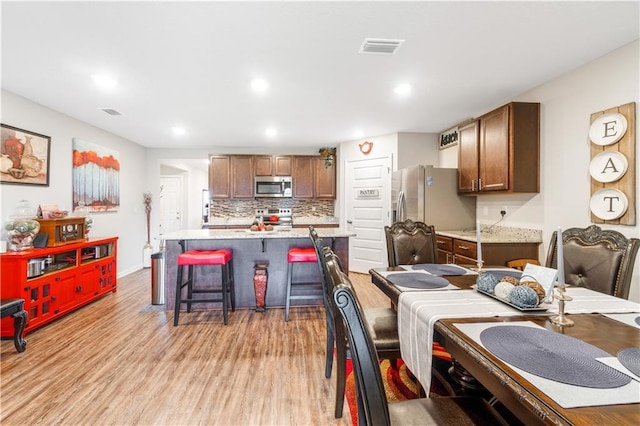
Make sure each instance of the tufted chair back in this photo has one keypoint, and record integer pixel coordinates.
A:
(600, 260)
(409, 243)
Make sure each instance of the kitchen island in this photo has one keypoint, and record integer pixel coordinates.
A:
(250, 248)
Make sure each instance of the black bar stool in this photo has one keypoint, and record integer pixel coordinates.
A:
(304, 290)
(191, 258)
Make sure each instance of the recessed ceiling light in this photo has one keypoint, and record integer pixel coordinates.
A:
(402, 89)
(179, 131)
(259, 85)
(271, 132)
(104, 81)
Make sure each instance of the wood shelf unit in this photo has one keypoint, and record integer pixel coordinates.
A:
(77, 274)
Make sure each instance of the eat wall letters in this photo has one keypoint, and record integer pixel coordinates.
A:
(612, 137)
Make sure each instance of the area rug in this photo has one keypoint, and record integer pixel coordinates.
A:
(399, 383)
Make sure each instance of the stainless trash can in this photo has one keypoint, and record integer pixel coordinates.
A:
(157, 278)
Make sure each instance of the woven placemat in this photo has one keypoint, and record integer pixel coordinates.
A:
(437, 269)
(417, 280)
(630, 358)
(552, 355)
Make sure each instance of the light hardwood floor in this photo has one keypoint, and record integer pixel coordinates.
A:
(120, 361)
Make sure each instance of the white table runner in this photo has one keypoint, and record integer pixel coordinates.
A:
(419, 310)
(567, 396)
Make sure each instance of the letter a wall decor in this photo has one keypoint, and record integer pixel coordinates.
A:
(613, 159)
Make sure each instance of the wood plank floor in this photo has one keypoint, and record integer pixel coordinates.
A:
(120, 361)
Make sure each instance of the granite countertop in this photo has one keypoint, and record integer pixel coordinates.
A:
(297, 220)
(497, 234)
(225, 234)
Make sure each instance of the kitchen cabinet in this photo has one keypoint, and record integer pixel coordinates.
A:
(232, 176)
(303, 172)
(464, 252)
(468, 137)
(220, 176)
(500, 152)
(76, 274)
(325, 179)
(242, 176)
(272, 165)
(312, 179)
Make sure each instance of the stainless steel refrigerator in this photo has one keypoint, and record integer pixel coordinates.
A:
(430, 195)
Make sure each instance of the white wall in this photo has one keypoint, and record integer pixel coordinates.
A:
(417, 148)
(129, 223)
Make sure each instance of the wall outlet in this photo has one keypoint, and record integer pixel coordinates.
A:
(313, 208)
(503, 212)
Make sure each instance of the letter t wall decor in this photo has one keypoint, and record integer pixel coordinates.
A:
(612, 168)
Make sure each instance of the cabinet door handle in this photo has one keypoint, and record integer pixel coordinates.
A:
(473, 185)
(479, 184)
(463, 247)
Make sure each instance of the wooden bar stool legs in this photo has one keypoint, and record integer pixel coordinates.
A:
(191, 258)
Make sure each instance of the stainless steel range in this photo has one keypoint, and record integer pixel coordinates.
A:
(278, 218)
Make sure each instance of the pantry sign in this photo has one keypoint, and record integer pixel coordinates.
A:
(368, 193)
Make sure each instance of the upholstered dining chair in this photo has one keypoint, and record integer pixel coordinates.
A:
(373, 408)
(409, 243)
(383, 325)
(600, 260)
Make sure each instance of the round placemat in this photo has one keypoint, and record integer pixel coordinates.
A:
(437, 269)
(417, 280)
(630, 358)
(552, 355)
(501, 274)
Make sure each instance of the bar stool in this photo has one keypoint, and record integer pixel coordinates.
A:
(304, 290)
(191, 258)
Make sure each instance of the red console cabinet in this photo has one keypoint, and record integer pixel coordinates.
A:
(57, 280)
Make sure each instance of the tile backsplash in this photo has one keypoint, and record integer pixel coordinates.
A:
(244, 208)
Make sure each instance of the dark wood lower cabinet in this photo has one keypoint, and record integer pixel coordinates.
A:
(464, 252)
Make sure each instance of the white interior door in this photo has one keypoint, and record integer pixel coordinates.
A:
(367, 206)
(170, 204)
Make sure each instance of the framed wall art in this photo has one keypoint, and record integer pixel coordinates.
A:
(25, 157)
(96, 177)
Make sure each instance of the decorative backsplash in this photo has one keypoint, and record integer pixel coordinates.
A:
(244, 208)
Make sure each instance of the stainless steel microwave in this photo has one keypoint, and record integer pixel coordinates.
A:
(273, 186)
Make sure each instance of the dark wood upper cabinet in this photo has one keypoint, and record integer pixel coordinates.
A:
(272, 165)
(468, 157)
(303, 174)
(325, 179)
(506, 157)
(220, 176)
(232, 176)
(242, 176)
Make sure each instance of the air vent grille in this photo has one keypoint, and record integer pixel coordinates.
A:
(112, 111)
(380, 46)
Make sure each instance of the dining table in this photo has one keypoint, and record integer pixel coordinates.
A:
(538, 380)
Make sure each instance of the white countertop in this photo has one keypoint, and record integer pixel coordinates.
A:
(225, 234)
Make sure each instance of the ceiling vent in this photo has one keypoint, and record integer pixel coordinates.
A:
(380, 46)
(112, 111)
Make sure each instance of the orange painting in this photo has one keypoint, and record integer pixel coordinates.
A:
(96, 177)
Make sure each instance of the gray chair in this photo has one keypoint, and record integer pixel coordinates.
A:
(373, 408)
(410, 243)
(383, 329)
(600, 260)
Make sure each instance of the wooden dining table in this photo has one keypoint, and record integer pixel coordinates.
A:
(520, 396)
